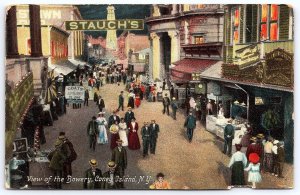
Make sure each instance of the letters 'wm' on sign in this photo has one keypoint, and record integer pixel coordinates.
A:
(99, 25)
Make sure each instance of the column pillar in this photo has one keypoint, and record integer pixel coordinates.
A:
(11, 33)
(174, 9)
(155, 56)
(175, 49)
(35, 31)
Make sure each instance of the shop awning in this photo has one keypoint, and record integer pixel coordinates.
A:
(184, 68)
(64, 67)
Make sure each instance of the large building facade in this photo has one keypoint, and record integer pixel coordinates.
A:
(256, 80)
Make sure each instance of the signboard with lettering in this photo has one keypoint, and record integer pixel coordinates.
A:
(103, 25)
(20, 145)
(74, 93)
(247, 56)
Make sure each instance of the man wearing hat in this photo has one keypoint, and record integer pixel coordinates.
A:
(92, 176)
(119, 156)
(57, 160)
(66, 150)
(111, 177)
(93, 131)
(166, 104)
(174, 106)
(154, 129)
(146, 138)
(113, 119)
(253, 148)
(190, 124)
(121, 101)
(129, 115)
(228, 137)
(279, 158)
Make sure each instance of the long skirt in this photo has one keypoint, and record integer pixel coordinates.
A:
(268, 162)
(237, 174)
(102, 138)
(123, 137)
(114, 138)
(133, 141)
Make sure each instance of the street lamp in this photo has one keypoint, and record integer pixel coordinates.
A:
(89, 46)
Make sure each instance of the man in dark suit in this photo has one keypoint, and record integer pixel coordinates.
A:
(93, 131)
(86, 97)
(190, 124)
(110, 178)
(93, 176)
(146, 138)
(228, 137)
(166, 104)
(121, 101)
(101, 104)
(129, 115)
(113, 119)
(154, 129)
(119, 156)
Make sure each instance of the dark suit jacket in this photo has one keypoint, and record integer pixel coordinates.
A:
(121, 99)
(128, 117)
(154, 131)
(190, 122)
(229, 131)
(91, 181)
(120, 158)
(111, 120)
(146, 133)
(106, 185)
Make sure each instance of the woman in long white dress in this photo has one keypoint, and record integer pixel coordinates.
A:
(123, 132)
(102, 138)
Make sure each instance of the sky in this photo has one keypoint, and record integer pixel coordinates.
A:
(132, 11)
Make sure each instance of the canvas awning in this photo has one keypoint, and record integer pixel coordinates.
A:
(64, 67)
(182, 72)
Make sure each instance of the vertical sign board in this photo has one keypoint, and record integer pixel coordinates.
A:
(74, 94)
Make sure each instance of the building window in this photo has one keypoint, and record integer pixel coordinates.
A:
(29, 46)
(269, 22)
(236, 24)
(198, 39)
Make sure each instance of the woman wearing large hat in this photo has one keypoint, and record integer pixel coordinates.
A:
(102, 138)
(114, 130)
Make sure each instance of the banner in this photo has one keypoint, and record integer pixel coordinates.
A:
(74, 93)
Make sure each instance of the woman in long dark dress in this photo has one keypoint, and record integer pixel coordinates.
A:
(133, 138)
(237, 164)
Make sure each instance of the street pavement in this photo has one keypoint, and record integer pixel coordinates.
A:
(196, 165)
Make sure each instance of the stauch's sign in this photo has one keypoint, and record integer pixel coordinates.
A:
(247, 56)
(103, 25)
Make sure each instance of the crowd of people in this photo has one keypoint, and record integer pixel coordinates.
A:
(262, 155)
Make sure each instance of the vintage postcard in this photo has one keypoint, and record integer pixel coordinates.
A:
(153, 96)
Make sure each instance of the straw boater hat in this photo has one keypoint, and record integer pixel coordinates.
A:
(111, 164)
(260, 136)
(253, 139)
(93, 162)
(119, 141)
(173, 98)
